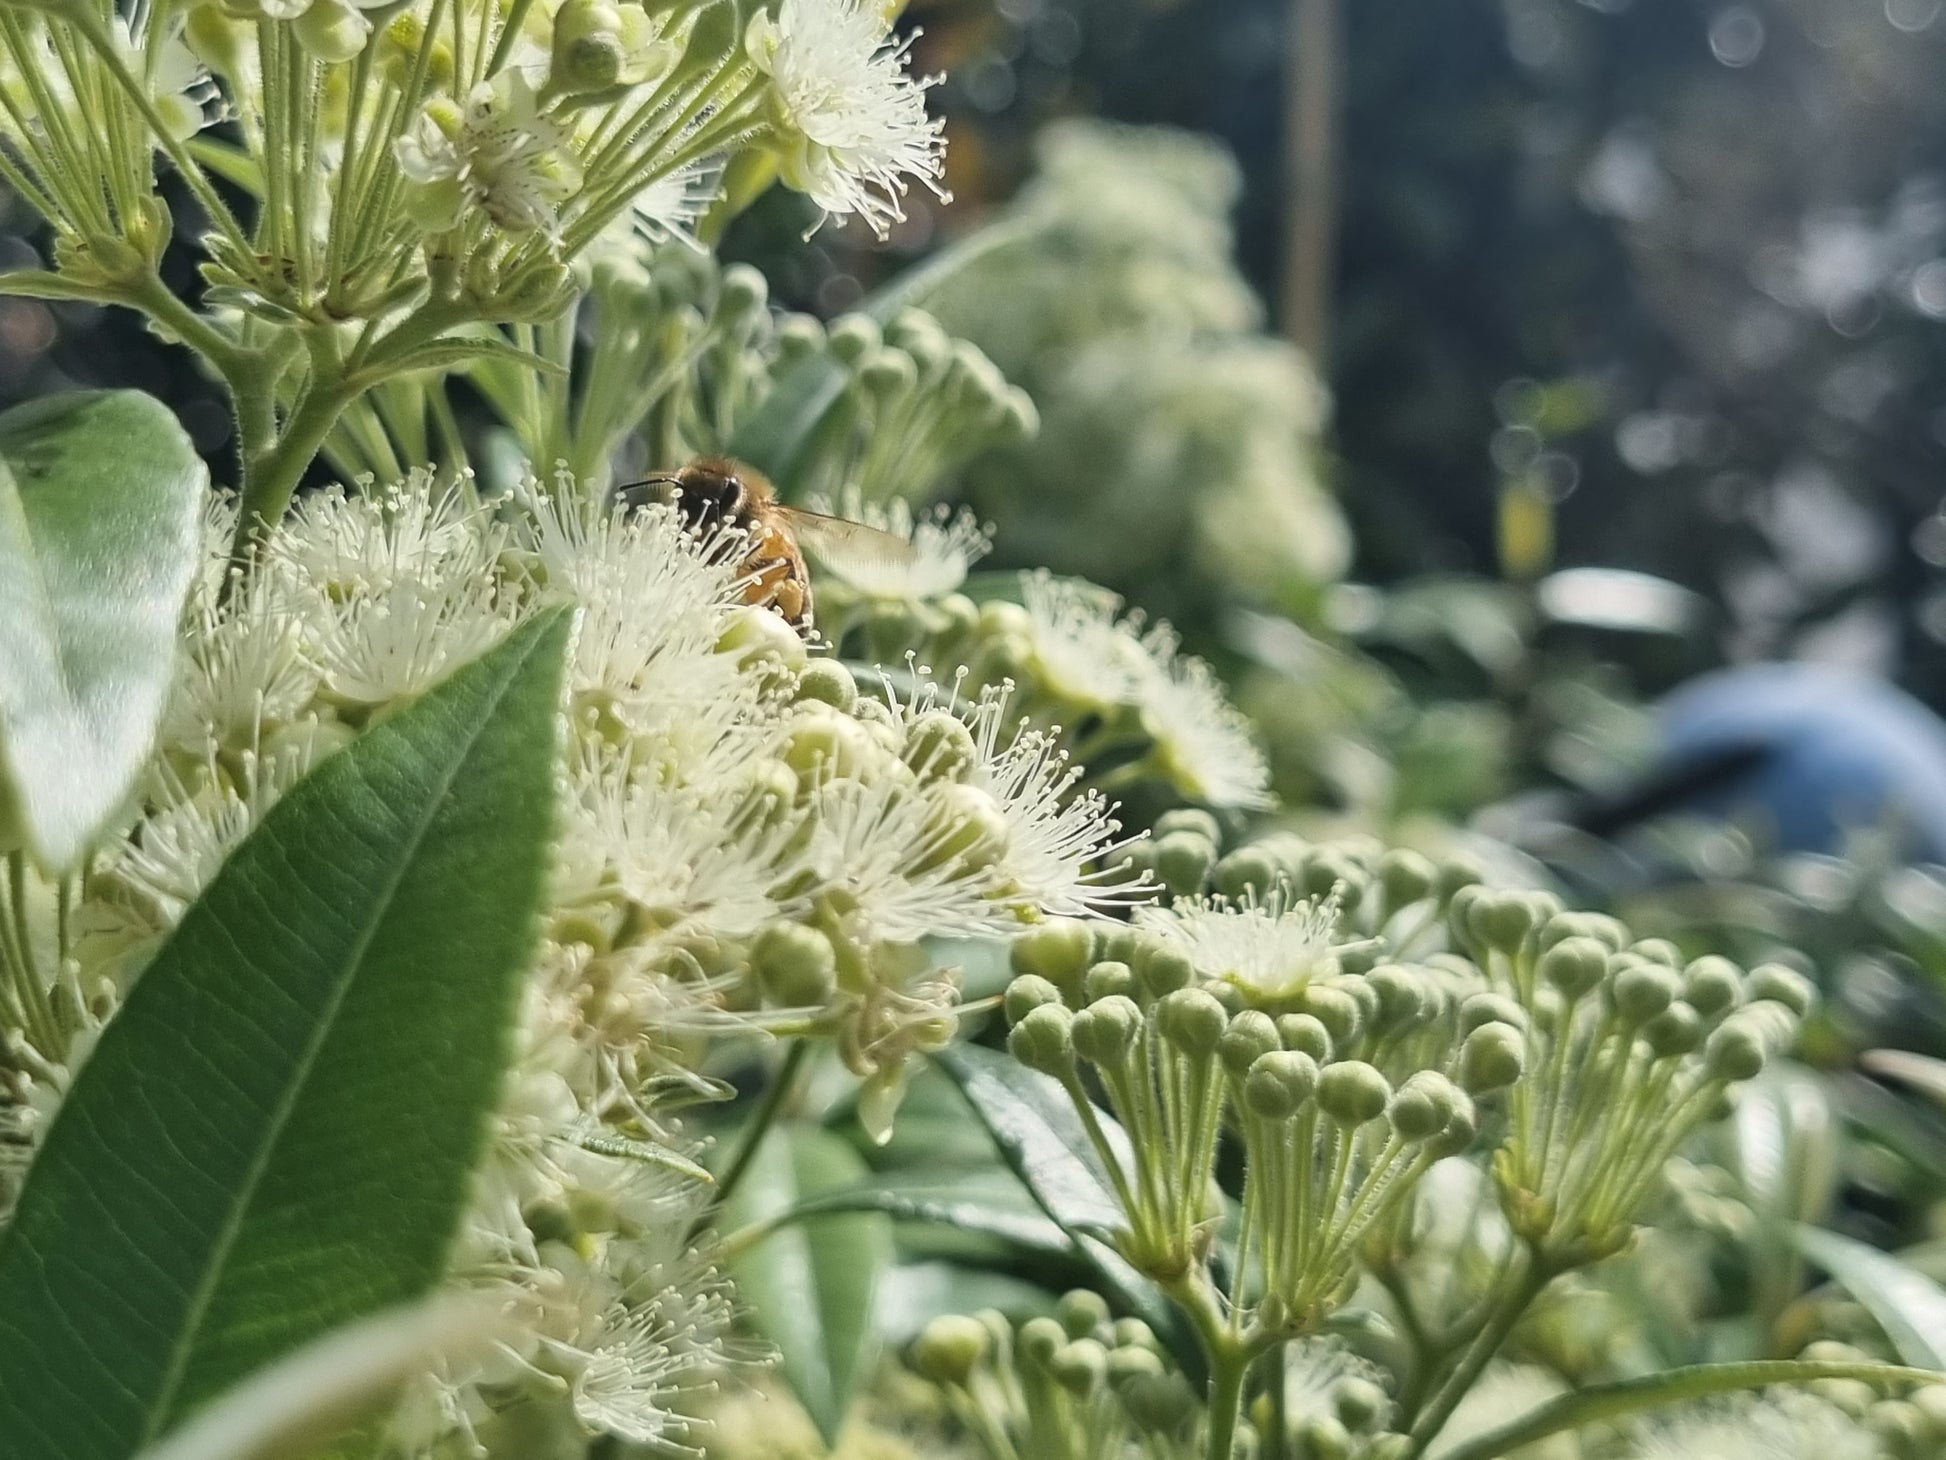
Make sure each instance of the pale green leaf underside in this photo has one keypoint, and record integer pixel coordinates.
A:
(100, 507)
(277, 1132)
(1909, 1306)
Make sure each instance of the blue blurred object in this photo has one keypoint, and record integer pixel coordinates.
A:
(1802, 752)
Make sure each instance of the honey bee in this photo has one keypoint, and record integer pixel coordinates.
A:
(714, 492)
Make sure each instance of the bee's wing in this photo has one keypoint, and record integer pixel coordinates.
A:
(841, 542)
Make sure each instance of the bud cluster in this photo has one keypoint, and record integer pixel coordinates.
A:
(1072, 1387)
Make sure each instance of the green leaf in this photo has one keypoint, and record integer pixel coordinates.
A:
(44, 284)
(232, 164)
(1908, 1305)
(277, 1133)
(1035, 1126)
(812, 1285)
(300, 1402)
(1656, 1391)
(1026, 1229)
(100, 530)
(452, 354)
(1922, 1072)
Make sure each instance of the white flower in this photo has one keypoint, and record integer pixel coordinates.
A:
(853, 122)
(1082, 650)
(1270, 946)
(1784, 1425)
(940, 546)
(498, 153)
(1203, 744)
(671, 206)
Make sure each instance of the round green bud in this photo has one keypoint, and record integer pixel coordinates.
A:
(1131, 1362)
(1359, 1402)
(1405, 877)
(332, 30)
(1106, 1030)
(743, 291)
(828, 682)
(1183, 860)
(1403, 995)
(1083, 1314)
(1458, 1135)
(1080, 1367)
(1191, 819)
(1247, 870)
(1902, 1429)
(1161, 968)
(1159, 1403)
(1328, 870)
(1501, 920)
(1492, 1058)
(887, 373)
(968, 825)
(1930, 1401)
(1658, 950)
(1352, 1092)
(1026, 993)
(1039, 1341)
(1279, 1083)
(1107, 978)
(1059, 950)
(1322, 1437)
(1490, 1008)
(1454, 873)
(799, 335)
(752, 633)
(1192, 1021)
(851, 337)
(1228, 995)
(1775, 984)
(1676, 1030)
(1425, 1105)
(1640, 991)
(1133, 1333)
(795, 966)
(1337, 1010)
(1360, 957)
(822, 744)
(1854, 1396)
(1712, 986)
(1304, 1034)
(1459, 914)
(939, 746)
(950, 1348)
(1735, 1050)
(1251, 1034)
(1575, 966)
(1044, 1040)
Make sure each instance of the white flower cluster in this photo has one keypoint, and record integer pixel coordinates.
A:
(748, 841)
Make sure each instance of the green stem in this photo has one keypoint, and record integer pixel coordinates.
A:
(1431, 1419)
(270, 477)
(783, 1086)
(1229, 1362)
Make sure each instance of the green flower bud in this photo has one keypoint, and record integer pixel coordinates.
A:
(1774, 983)
(1492, 1058)
(756, 633)
(1247, 870)
(1575, 966)
(1405, 877)
(1251, 1034)
(1459, 914)
(1192, 1021)
(851, 337)
(1425, 1105)
(1082, 1313)
(950, 1348)
(589, 53)
(1190, 819)
(1712, 986)
(1027, 992)
(1735, 1050)
(1161, 968)
(1133, 1333)
(971, 828)
(1453, 874)
(939, 746)
(1040, 1340)
(1131, 1362)
(1360, 1403)
(795, 966)
(1044, 1040)
(919, 335)
(1490, 1008)
(1501, 920)
(1403, 997)
(1059, 950)
(797, 336)
(1327, 870)
(1676, 1030)
(1080, 1367)
(1337, 1010)
(1902, 1429)
(886, 373)
(1279, 1083)
(999, 617)
(1106, 1030)
(1931, 1402)
(1658, 950)
(829, 683)
(1107, 978)
(1458, 1135)
(1352, 1092)
(1160, 1403)
(332, 30)
(1320, 1437)
(1640, 991)
(1183, 860)
(1304, 1034)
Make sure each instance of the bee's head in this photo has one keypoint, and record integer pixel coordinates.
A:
(705, 493)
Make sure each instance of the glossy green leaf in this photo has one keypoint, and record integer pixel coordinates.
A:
(1908, 1305)
(811, 1286)
(101, 498)
(1038, 1133)
(1604, 1402)
(301, 1402)
(278, 1131)
(918, 1292)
